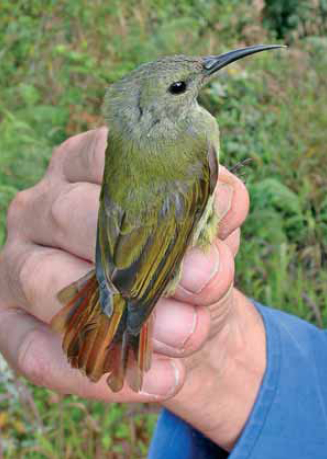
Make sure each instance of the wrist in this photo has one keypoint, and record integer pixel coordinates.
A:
(224, 377)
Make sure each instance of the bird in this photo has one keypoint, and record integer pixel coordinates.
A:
(156, 202)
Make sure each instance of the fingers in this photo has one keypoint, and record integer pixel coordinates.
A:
(35, 351)
(39, 273)
(180, 327)
(181, 323)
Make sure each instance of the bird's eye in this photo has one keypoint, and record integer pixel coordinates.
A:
(178, 87)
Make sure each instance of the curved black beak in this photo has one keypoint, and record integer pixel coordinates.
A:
(212, 64)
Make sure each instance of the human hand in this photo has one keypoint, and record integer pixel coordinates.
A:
(51, 242)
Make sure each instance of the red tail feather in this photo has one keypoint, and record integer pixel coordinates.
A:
(97, 344)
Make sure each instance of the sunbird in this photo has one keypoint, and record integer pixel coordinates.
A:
(156, 201)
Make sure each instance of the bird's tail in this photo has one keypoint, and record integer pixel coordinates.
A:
(97, 344)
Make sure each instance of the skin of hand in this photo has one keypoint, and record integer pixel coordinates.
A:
(209, 341)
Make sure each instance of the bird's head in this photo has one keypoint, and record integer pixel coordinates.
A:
(165, 89)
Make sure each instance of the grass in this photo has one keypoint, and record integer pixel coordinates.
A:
(56, 60)
(37, 423)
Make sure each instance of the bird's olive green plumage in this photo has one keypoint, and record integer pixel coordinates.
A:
(156, 200)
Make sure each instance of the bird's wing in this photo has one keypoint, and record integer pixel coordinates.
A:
(139, 261)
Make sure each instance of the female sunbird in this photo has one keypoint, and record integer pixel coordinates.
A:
(161, 169)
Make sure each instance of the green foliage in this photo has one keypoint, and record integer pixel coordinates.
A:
(57, 58)
(38, 424)
(295, 18)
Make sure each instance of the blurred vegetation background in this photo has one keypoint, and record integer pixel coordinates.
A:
(56, 59)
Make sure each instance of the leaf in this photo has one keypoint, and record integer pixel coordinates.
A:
(272, 193)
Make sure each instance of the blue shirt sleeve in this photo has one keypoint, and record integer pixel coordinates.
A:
(289, 418)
